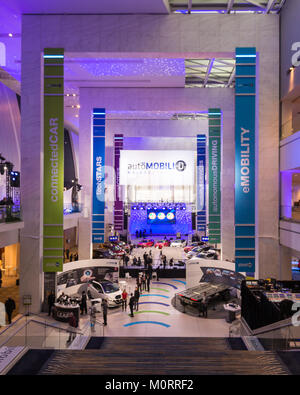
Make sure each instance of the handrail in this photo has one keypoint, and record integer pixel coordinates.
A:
(41, 323)
(272, 327)
(56, 327)
(11, 325)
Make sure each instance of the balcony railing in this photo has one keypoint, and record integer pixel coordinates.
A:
(290, 127)
(10, 213)
(290, 213)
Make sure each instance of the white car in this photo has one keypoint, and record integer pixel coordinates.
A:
(178, 243)
(104, 289)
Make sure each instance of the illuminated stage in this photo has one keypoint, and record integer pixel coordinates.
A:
(160, 218)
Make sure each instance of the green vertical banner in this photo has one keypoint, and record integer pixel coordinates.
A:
(214, 171)
(53, 229)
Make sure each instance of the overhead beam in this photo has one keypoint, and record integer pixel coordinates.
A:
(256, 3)
(210, 66)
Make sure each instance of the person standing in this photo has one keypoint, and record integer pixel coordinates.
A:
(164, 261)
(67, 253)
(157, 273)
(204, 305)
(83, 306)
(71, 257)
(139, 262)
(51, 301)
(131, 304)
(148, 282)
(0, 277)
(93, 312)
(144, 282)
(124, 300)
(9, 308)
(150, 270)
(104, 310)
(136, 297)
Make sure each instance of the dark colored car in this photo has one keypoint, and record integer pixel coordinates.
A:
(103, 253)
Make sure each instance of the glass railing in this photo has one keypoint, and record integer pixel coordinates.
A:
(290, 213)
(283, 336)
(35, 333)
(10, 213)
(290, 127)
(71, 208)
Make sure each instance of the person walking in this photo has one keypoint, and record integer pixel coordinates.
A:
(136, 297)
(72, 325)
(9, 308)
(104, 310)
(51, 301)
(83, 306)
(124, 300)
(131, 304)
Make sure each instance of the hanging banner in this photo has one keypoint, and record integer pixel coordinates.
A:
(53, 230)
(201, 183)
(98, 224)
(245, 92)
(214, 169)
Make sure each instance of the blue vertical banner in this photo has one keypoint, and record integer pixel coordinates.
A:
(245, 97)
(201, 183)
(98, 219)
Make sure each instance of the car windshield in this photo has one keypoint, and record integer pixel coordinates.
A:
(97, 286)
(110, 287)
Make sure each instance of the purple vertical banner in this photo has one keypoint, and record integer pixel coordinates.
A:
(118, 206)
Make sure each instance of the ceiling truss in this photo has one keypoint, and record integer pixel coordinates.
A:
(209, 73)
(226, 6)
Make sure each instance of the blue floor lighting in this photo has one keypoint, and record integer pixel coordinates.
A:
(148, 322)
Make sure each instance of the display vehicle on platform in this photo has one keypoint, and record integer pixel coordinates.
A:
(162, 243)
(178, 243)
(98, 276)
(146, 243)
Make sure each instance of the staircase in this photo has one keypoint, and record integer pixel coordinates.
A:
(161, 356)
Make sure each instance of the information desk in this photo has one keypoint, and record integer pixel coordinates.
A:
(231, 309)
(62, 312)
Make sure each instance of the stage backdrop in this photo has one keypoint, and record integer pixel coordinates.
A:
(181, 221)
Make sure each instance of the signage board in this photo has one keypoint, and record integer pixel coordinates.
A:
(164, 168)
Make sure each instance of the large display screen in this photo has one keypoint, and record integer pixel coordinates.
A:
(161, 216)
(164, 168)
